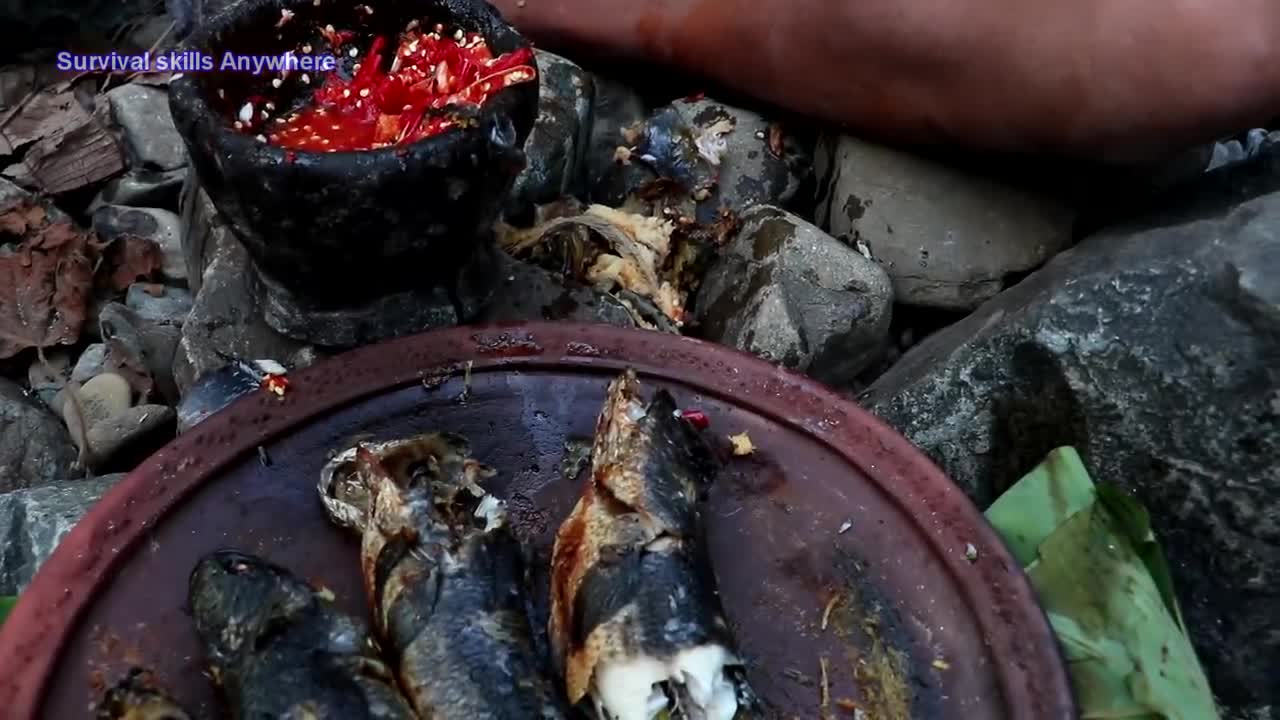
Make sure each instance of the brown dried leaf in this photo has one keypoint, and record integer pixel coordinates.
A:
(44, 285)
(130, 259)
(18, 219)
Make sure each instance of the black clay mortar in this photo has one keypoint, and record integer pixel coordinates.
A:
(339, 234)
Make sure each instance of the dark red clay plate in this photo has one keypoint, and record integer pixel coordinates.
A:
(840, 549)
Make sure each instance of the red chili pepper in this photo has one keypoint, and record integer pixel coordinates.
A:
(378, 107)
(277, 384)
(696, 418)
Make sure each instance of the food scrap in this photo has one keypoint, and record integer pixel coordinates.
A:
(941, 664)
(742, 444)
(696, 418)
(400, 102)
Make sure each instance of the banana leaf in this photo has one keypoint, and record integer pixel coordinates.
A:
(6, 604)
(1102, 579)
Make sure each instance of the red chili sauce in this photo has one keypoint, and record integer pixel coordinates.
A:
(386, 104)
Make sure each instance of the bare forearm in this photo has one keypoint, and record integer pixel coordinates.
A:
(1110, 78)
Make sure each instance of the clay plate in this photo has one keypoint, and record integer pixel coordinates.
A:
(837, 544)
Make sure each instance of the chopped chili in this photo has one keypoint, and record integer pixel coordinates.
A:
(696, 418)
(396, 103)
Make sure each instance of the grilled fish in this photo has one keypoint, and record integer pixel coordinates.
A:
(444, 578)
(280, 649)
(636, 623)
(136, 698)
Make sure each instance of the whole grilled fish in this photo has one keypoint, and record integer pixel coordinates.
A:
(136, 698)
(444, 578)
(280, 649)
(636, 623)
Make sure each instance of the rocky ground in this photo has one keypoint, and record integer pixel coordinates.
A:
(978, 314)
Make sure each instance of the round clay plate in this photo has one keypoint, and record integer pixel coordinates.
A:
(845, 559)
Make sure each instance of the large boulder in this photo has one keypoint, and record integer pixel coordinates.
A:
(950, 238)
(1155, 350)
(35, 448)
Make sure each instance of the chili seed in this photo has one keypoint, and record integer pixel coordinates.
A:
(275, 82)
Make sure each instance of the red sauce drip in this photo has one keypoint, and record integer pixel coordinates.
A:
(382, 107)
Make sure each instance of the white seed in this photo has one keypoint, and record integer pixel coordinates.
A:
(484, 87)
(285, 16)
(356, 67)
(364, 92)
(358, 104)
(306, 79)
(270, 106)
(239, 125)
(280, 121)
(222, 93)
(333, 127)
(353, 52)
(306, 48)
(457, 35)
(346, 93)
(276, 82)
(329, 29)
(324, 141)
(264, 114)
(246, 113)
(260, 138)
(175, 76)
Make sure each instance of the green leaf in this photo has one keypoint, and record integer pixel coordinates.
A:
(1029, 511)
(6, 604)
(1102, 579)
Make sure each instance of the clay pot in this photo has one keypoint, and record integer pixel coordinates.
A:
(342, 229)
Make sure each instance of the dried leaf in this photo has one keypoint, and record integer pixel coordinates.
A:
(742, 444)
(19, 219)
(44, 284)
(130, 259)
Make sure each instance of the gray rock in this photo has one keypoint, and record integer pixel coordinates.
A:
(34, 521)
(554, 149)
(123, 439)
(614, 108)
(715, 156)
(162, 227)
(948, 238)
(152, 343)
(750, 174)
(1154, 349)
(152, 141)
(93, 361)
(142, 188)
(203, 230)
(225, 321)
(170, 308)
(35, 449)
(792, 294)
(102, 398)
(528, 292)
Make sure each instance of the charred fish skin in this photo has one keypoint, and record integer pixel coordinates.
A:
(445, 580)
(281, 650)
(136, 698)
(636, 623)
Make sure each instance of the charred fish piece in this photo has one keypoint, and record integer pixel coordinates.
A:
(280, 649)
(636, 623)
(444, 578)
(135, 697)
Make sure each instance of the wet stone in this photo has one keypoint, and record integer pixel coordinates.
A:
(93, 361)
(170, 307)
(527, 292)
(555, 147)
(1152, 348)
(152, 141)
(35, 449)
(750, 173)
(614, 108)
(949, 238)
(122, 440)
(152, 343)
(101, 398)
(790, 293)
(225, 322)
(161, 227)
(717, 156)
(142, 188)
(33, 521)
(203, 230)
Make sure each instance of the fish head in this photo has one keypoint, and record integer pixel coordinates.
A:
(234, 597)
